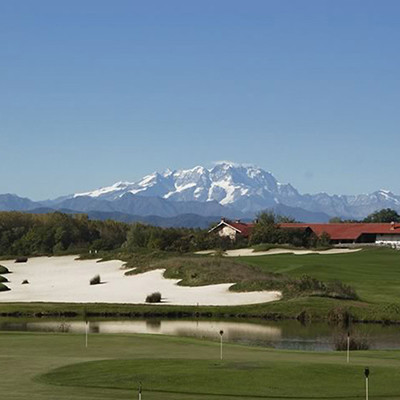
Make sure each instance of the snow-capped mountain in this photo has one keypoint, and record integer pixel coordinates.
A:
(247, 189)
(227, 189)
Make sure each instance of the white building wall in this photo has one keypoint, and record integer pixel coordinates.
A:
(388, 240)
(227, 231)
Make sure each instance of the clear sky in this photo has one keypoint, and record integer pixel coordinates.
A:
(93, 92)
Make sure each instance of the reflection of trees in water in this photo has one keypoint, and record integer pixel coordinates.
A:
(280, 334)
(153, 324)
(233, 332)
(94, 327)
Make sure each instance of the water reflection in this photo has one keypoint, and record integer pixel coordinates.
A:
(280, 335)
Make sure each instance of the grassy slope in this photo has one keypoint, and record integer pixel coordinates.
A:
(374, 273)
(180, 368)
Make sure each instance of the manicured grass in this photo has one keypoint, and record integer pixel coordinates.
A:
(46, 366)
(374, 273)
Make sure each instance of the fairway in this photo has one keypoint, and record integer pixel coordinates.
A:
(47, 366)
(374, 273)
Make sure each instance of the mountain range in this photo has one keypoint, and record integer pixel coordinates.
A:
(227, 189)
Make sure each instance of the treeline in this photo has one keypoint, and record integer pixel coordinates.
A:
(59, 233)
(386, 215)
(54, 233)
(267, 230)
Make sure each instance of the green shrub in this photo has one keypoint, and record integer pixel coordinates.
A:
(154, 298)
(95, 280)
(4, 288)
(4, 270)
(2, 279)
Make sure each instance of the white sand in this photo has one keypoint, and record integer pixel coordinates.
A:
(251, 252)
(64, 279)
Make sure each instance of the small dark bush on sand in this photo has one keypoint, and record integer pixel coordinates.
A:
(4, 270)
(21, 259)
(25, 282)
(154, 298)
(95, 280)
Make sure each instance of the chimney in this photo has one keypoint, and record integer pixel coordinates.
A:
(237, 221)
(392, 226)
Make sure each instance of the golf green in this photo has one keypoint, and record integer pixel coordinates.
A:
(46, 366)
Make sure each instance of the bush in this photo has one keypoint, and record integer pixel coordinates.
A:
(4, 288)
(154, 298)
(25, 282)
(95, 280)
(306, 285)
(4, 270)
(2, 279)
(21, 259)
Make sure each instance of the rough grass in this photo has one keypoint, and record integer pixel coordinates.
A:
(203, 270)
(270, 246)
(3, 279)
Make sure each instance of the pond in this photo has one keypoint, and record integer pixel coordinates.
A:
(289, 335)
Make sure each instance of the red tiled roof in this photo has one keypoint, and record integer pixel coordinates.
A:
(243, 228)
(347, 231)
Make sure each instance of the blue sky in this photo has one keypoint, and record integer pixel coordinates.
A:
(93, 92)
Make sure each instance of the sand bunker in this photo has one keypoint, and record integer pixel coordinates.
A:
(251, 252)
(64, 279)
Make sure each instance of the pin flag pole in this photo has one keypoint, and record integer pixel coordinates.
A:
(140, 391)
(86, 333)
(221, 332)
(348, 347)
(366, 373)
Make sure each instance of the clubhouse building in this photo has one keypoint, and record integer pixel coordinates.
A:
(387, 234)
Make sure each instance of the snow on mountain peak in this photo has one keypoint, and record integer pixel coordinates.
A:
(243, 187)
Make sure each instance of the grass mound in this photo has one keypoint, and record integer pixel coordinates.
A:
(3, 279)
(4, 270)
(285, 379)
(4, 288)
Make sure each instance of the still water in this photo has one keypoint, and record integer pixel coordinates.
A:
(280, 335)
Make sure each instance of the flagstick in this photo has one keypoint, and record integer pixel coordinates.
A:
(221, 333)
(86, 333)
(348, 348)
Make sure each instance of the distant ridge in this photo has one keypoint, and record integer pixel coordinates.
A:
(227, 189)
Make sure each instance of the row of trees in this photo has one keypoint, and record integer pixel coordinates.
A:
(386, 215)
(22, 233)
(267, 230)
(55, 233)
